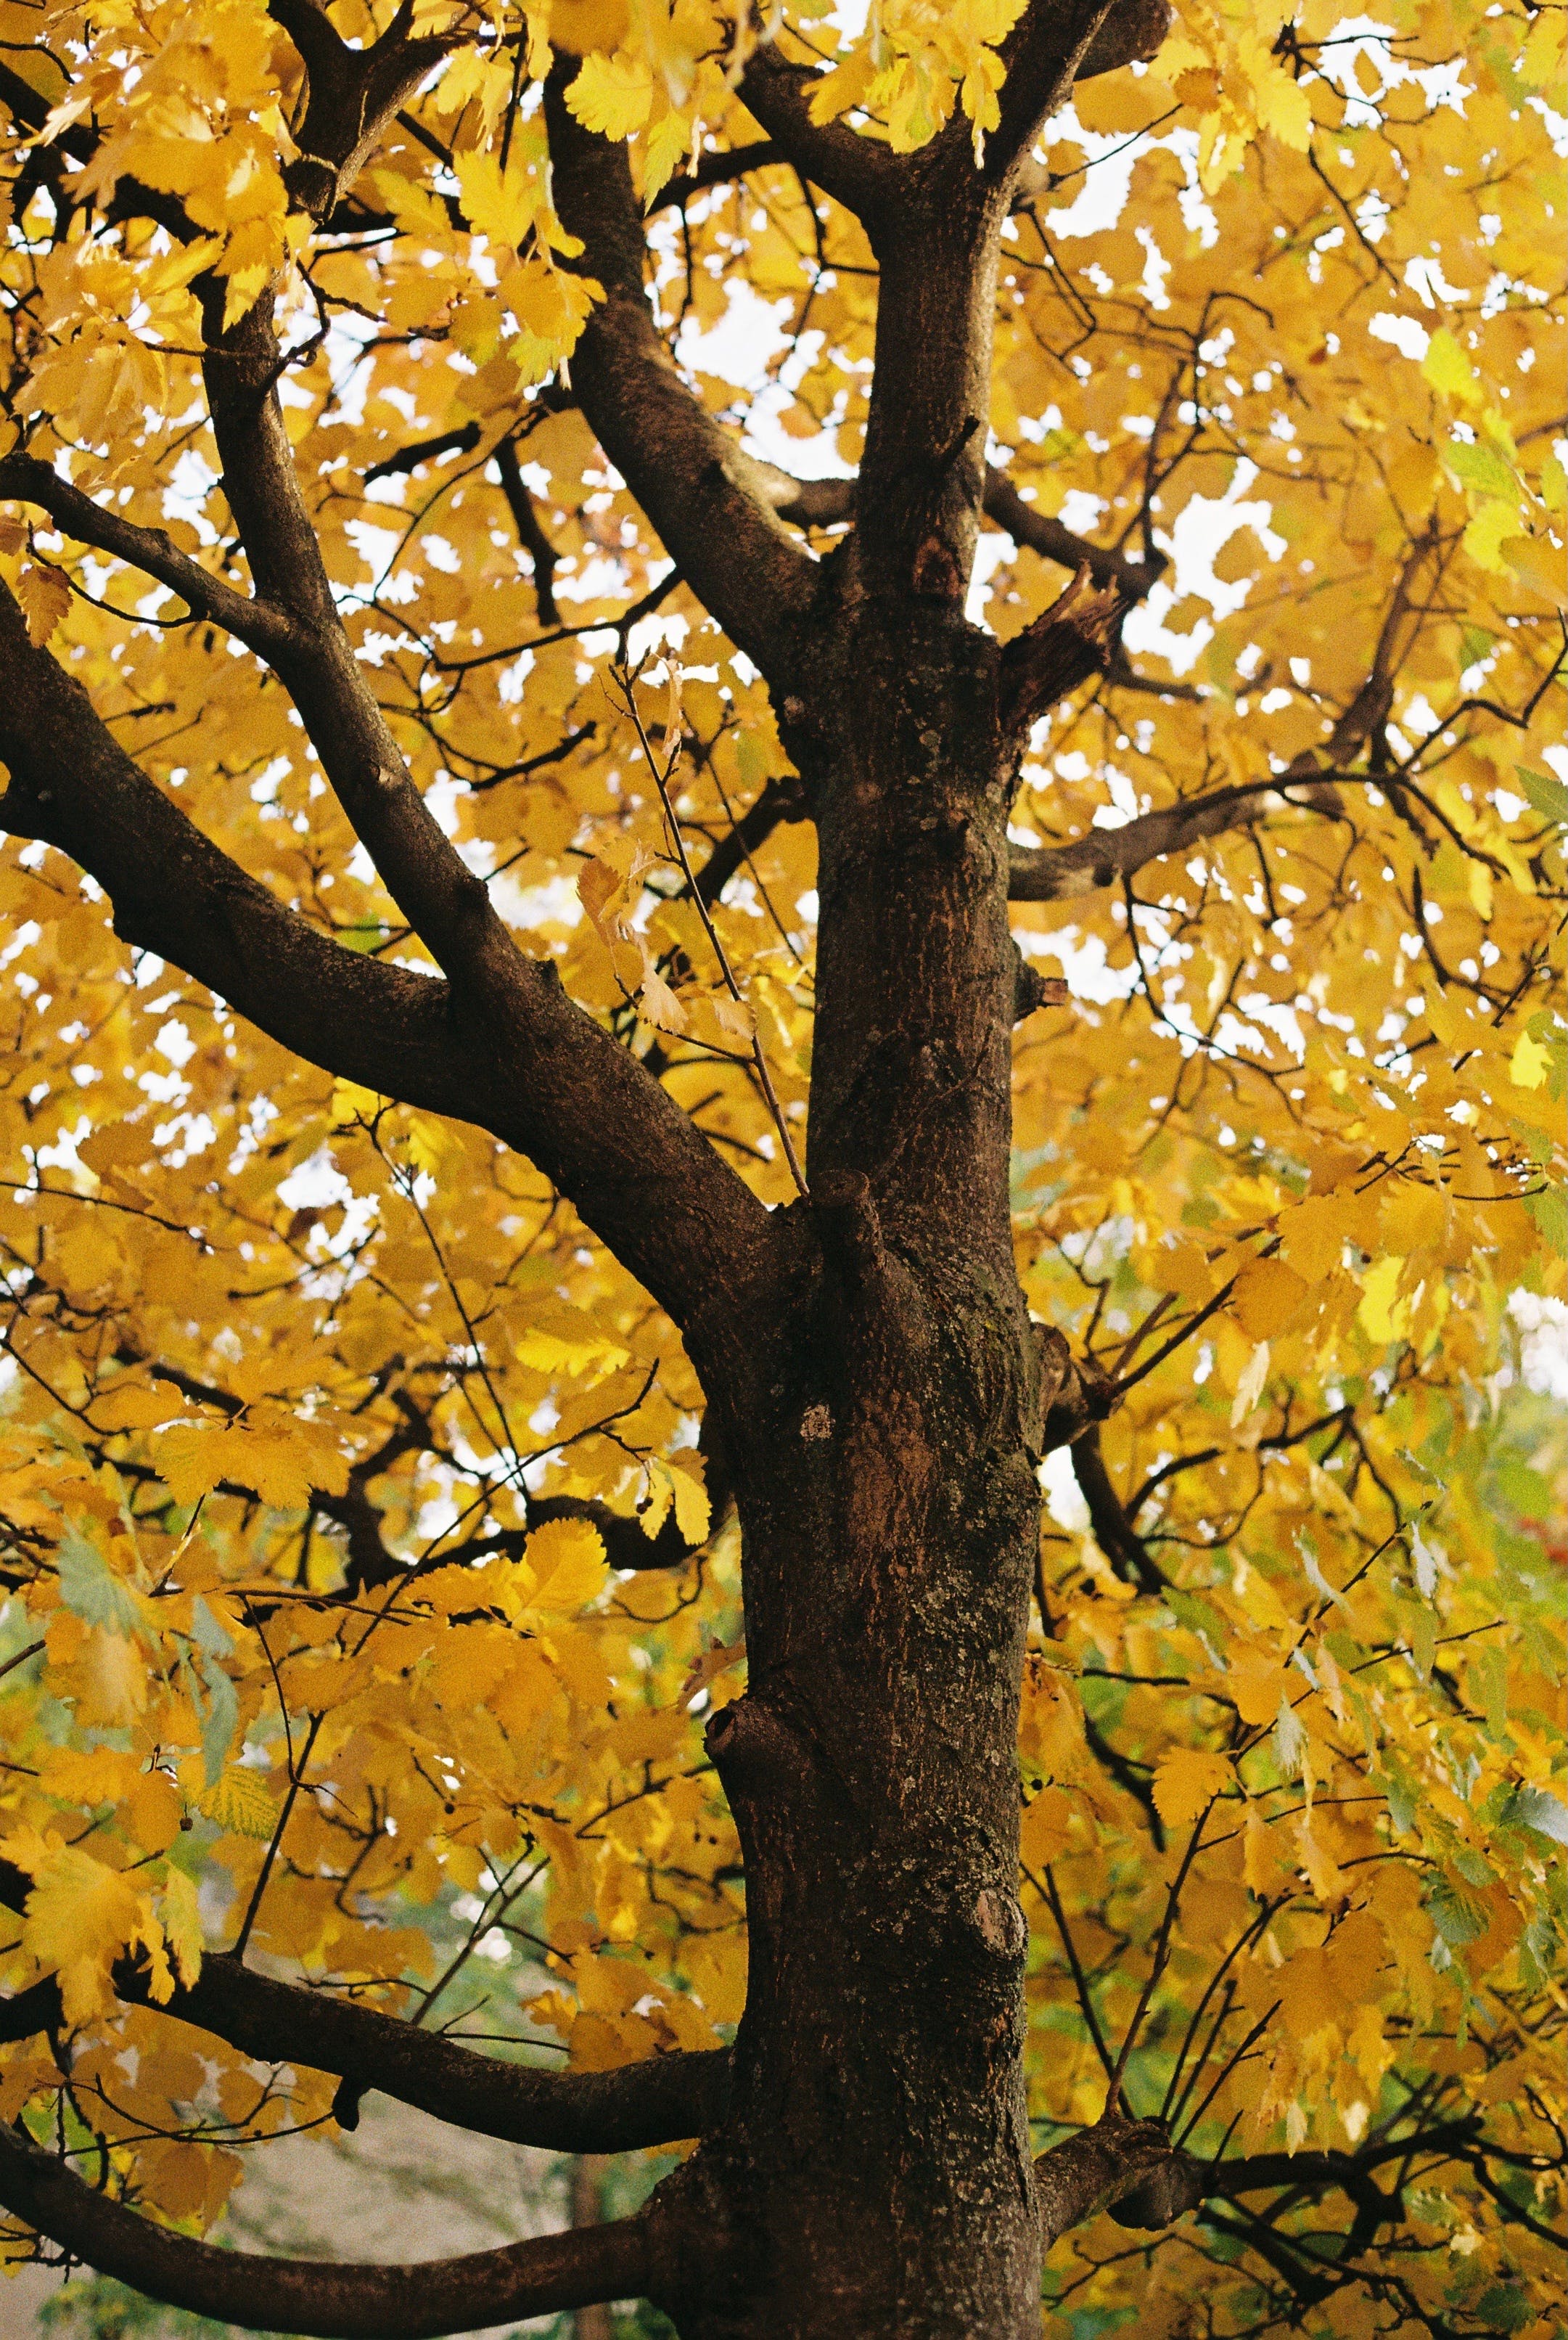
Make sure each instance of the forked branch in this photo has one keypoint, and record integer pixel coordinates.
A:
(352, 95)
(531, 1067)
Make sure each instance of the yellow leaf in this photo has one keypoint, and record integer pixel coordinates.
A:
(1414, 1217)
(710, 1665)
(1046, 1831)
(129, 1408)
(1448, 370)
(1267, 1296)
(1382, 1314)
(1285, 108)
(580, 26)
(1258, 1683)
(1263, 1866)
(240, 1803)
(1312, 1236)
(691, 1509)
(567, 1557)
(1538, 564)
(153, 1810)
(501, 209)
(666, 146)
(78, 1919)
(113, 1679)
(1324, 1873)
(45, 597)
(835, 93)
(733, 1017)
(1186, 1781)
(1249, 1387)
(1484, 536)
(180, 1908)
(351, 1104)
(1528, 1065)
(659, 1004)
(280, 1458)
(612, 95)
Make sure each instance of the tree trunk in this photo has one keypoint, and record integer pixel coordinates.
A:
(875, 2174)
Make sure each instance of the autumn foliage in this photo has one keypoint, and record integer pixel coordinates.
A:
(371, 1572)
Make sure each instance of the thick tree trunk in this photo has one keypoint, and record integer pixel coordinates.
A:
(875, 2174)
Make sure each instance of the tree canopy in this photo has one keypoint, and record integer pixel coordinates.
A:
(428, 439)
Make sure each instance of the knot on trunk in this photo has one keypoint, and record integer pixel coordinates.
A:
(1000, 1922)
(754, 1749)
(879, 1301)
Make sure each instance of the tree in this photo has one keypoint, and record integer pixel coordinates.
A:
(470, 804)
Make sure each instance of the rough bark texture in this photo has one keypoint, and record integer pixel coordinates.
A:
(873, 2175)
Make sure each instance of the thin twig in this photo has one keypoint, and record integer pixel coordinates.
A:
(296, 1779)
(662, 782)
(1052, 1898)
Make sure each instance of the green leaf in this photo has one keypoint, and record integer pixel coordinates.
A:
(1550, 1211)
(89, 1586)
(1485, 469)
(1402, 1794)
(1458, 1916)
(1448, 370)
(368, 935)
(1548, 796)
(1532, 1807)
(217, 1715)
(1198, 1616)
(1504, 2308)
(1489, 1674)
(219, 1722)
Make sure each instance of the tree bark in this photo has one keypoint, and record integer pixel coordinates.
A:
(873, 2175)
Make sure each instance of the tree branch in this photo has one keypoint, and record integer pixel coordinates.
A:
(1113, 1529)
(1078, 636)
(1099, 2167)
(1132, 2169)
(830, 503)
(328, 2299)
(1053, 873)
(858, 172)
(717, 169)
(536, 1071)
(258, 623)
(530, 531)
(1134, 29)
(696, 486)
(1053, 45)
(1048, 537)
(446, 904)
(661, 2101)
